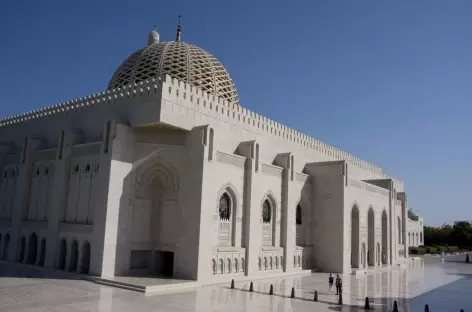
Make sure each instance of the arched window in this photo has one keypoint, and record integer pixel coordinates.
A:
(399, 231)
(225, 207)
(299, 215)
(225, 236)
(299, 231)
(266, 212)
(267, 224)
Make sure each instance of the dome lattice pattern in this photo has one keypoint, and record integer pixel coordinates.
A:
(179, 60)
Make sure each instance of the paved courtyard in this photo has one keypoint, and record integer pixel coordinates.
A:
(444, 286)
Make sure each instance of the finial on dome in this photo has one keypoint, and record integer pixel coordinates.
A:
(153, 36)
(177, 37)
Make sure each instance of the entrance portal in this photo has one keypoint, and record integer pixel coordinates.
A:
(164, 263)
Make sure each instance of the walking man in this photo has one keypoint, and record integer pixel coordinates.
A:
(339, 285)
(330, 282)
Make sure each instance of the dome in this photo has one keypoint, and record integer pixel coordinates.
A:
(179, 60)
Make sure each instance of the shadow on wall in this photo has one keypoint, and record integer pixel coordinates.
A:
(32, 251)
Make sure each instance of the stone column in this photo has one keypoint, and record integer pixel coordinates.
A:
(252, 227)
(391, 232)
(115, 167)
(404, 200)
(251, 202)
(60, 189)
(289, 205)
(22, 194)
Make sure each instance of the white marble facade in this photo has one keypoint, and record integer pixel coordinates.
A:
(415, 229)
(165, 173)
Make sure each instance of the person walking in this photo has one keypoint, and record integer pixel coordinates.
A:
(339, 285)
(330, 282)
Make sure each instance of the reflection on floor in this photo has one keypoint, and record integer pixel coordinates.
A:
(443, 286)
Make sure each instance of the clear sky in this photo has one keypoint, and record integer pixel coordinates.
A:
(388, 81)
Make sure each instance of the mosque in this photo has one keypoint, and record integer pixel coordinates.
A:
(166, 173)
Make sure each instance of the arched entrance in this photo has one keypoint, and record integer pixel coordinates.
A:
(355, 237)
(371, 236)
(74, 256)
(384, 237)
(6, 243)
(32, 248)
(21, 251)
(42, 254)
(158, 180)
(85, 265)
(62, 256)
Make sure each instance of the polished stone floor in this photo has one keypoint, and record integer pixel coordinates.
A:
(443, 286)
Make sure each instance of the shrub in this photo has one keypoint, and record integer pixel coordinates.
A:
(416, 250)
(413, 250)
(431, 250)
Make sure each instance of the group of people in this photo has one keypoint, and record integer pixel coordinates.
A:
(339, 284)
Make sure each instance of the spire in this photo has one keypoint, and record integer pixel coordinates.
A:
(177, 37)
(153, 36)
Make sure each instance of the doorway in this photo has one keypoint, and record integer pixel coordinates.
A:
(165, 263)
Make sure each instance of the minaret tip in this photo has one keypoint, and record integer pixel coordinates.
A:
(177, 37)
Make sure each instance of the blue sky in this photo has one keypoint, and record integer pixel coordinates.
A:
(389, 81)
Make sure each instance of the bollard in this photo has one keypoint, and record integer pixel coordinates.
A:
(251, 287)
(340, 300)
(462, 310)
(395, 306)
(271, 290)
(426, 308)
(292, 295)
(316, 296)
(467, 259)
(367, 304)
(232, 284)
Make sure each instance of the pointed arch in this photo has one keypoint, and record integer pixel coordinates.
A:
(85, 261)
(62, 254)
(227, 210)
(269, 219)
(158, 168)
(355, 233)
(21, 251)
(384, 237)
(371, 236)
(32, 248)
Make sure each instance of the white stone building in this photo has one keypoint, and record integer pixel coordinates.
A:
(415, 229)
(166, 173)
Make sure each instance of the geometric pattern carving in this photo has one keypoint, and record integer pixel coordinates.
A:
(179, 60)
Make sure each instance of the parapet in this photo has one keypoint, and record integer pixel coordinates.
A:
(195, 98)
(192, 97)
(107, 97)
